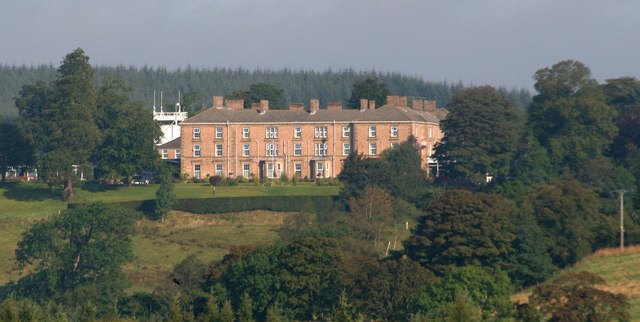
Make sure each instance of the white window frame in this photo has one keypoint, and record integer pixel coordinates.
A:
(373, 148)
(297, 169)
(319, 170)
(218, 133)
(297, 132)
(270, 170)
(321, 132)
(218, 151)
(271, 149)
(196, 133)
(246, 133)
(196, 171)
(165, 153)
(394, 145)
(321, 149)
(394, 131)
(346, 131)
(178, 153)
(196, 150)
(219, 171)
(372, 131)
(271, 132)
(246, 150)
(346, 148)
(246, 170)
(297, 149)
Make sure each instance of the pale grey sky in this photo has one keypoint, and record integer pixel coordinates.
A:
(495, 42)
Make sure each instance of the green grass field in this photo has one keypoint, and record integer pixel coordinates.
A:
(182, 234)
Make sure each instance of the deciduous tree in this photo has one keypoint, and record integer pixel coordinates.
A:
(15, 148)
(370, 88)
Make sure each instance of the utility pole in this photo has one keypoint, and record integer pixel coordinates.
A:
(621, 193)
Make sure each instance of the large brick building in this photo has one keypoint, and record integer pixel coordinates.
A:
(227, 140)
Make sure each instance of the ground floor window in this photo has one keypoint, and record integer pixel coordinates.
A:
(178, 152)
(219, 169)
(270, 170)
(320, 170)
(196, 171)
(246, 170)
(165, 153)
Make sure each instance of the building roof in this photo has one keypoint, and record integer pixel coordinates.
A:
(384, 113)
(173, 144)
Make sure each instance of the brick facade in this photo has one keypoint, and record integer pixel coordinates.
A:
(230, 141)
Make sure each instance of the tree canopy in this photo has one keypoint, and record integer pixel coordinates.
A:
(370, 88)
(16, 149)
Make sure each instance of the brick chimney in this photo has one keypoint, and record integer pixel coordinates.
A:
(372, 105)
(218, 101)
(417, 105)
(402, 101)
(430, 106)
(235, 104)
(363, 104)
(334, 106)
(296, 107)
(314, 106)
(391, 100)
(264, 106)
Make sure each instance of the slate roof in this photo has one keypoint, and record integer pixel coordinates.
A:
(173, 144)
(384, 113)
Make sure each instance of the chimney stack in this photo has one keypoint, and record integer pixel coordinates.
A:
(417, 105)
(235, 104)
(218, 101)
(372, 105)
(363, 104)
(314, 106)
(430, 107)
(264, 106)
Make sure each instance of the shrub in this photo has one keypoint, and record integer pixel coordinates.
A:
(284, 178)
(215, 180)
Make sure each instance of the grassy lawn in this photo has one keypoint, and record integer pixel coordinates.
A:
(618, 268)
(23, 202)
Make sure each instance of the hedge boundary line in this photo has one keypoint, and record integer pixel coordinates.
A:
(220, 205)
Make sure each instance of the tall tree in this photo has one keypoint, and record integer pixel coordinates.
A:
(64, 117)
(260, 91)
(463, 228)
(370, 88)
(129, 133)
(569, 116)
(623, 94)
(15, 148)
(481, 137)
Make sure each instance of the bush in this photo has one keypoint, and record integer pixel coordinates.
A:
(272, 203)
(284, 178)
(215, 180)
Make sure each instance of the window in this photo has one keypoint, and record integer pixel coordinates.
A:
(245, 132)
(218, 150)
(218, 133)
(372, 131)
(321, 131)
(196, 171)
(279, 170)
(165, 153)
(271, 149)
(297, 169)
(272, 132)
(372, 148)
(394, 144)
(196, 150)
(245, 150)
(320, 170)
(297, 132)
(394, 131)
(270, 168)
(430, 132)
(219, 169)
(346, 131)
(246, 170)
(297, 149)
(178, 153)
(321, 149)
(346, 148)
(196, 133)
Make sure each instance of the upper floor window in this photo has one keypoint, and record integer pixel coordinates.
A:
(373, 149)
(372, 131)
(245, 132)
(196, 150)
(178, 152)
(297, 132)
(165, 153)
(346, 148)
(218, 133)
(321, 131)
(321, 149)
(394, 131)
(272, 133)
(297, 149)
(346, 131)
(218, 150)
(245, 150)
(271, 149)
(196, 133)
